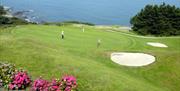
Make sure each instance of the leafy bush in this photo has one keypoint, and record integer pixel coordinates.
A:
(6, 74)
(68, 23)
(12, 21)
(21, 80)
(40, 85)
(5, 20)
(79, 22)
(17, 21)
(160, 20)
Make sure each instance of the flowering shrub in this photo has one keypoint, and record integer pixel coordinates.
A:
(55, 85)
(6, 73)
(21, 80)
(68, 83)
(40, 85)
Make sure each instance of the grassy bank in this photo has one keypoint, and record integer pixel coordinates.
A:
(39, 49)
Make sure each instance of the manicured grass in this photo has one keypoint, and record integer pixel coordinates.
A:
(39, 49)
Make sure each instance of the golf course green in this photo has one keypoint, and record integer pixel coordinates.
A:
(40, 50)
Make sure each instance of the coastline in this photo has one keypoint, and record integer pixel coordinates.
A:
(33, 19)
(18, 14)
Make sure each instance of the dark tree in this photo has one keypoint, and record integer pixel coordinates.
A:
(160, 20)
(2, 11)
(5, 20)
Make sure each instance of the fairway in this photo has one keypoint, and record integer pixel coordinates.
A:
(40, 50)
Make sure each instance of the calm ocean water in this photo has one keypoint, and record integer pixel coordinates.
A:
(104, 12)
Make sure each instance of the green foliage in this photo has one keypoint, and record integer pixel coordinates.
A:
(6, 73)
(17, 21)
(11, 21)
(2, 11)
(5, 20)
(68, 23)
(79, 22)
(157, 20)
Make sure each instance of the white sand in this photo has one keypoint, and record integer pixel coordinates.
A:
(124, 28)
(132, 59)
(103, 27)
(156, 44)
(109, 30)
(78, 25)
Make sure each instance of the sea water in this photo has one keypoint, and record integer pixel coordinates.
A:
(103, 12)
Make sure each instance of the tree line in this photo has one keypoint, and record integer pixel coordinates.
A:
(159, 20)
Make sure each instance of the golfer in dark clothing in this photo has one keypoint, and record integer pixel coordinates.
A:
(62, 34)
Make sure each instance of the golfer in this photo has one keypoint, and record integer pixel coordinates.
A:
(62, 34)
(83, 29)
(98, 43)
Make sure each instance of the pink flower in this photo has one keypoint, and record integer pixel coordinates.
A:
(20, 80)
(11, 86)
(55, 85)
(40, 85)
(68, 88)
(68, 83)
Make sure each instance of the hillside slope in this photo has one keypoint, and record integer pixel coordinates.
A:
(40, 50)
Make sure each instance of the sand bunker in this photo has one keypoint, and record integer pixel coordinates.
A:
(124, 28)
(132, 59)
(109, 30)
(156, 44)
